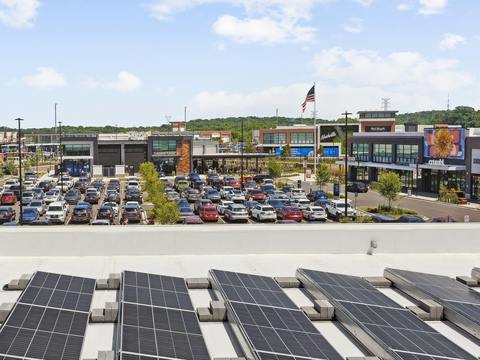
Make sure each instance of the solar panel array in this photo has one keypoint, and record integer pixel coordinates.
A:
(393, 327)
(49, 320)
(446, 291)
(273, 326)
(158, 319)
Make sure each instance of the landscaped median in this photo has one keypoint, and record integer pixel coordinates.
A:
(395, 212)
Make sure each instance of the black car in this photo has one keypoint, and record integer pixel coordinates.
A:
(98, 184)
(199, 184)
(40, 223)
(80, 185)
(276, 204)
(322, 202)
(7, 214)
(15, 189)
(132, 213)
(250, 205)
(383, 219)
(410, 219)
(134, 195)
(72, 197)
(181, 202)
(212, 176)
(193, 177)
(81, 213)
(317, 194)
(357, 187)
(201, 202)
(106, 213)
(45, 185)
(260, 177)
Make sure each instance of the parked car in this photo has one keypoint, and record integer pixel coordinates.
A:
(133, 184)
(181, 202)
(113, 196)
(114, 206)
(40, 205)
(192, 177)
(289, 213)
(258, 178)
(199, 184)
(39, 194)
(224, 190)
(72, 196)
(276, 204)
(15, 189)
(234, 184)
(336, 209)
(263, 212)
(236, 212)
(81, 213)
(410, 219)
(184, 211)
(51, 196)
(132, 213)
(442, 220)
(29, 185)
(40, 223)
(172, 195)
(255, 194)
(300, 203)
(317, 194)
(322, 202)
(268, 182)
(383, 219)
(98, 184)
(106, 213)
(8, 198)
(357, 187)
(251, 184)
(235, 196)
(192, 220)
(296, 194)
(200, 203)
(27, 197)
(193, 195)
(211, 176)
(134, 195)
(56, 212)
(10, 183)
(287, 188)
(314, 213)
(249, 205)
(212, 195)
(226, 179)
(92, 196)
(81, 186)
(45, 185)
(208, 213)
(222, 205)
(7, 214)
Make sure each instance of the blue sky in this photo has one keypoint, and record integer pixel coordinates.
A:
(135, 62)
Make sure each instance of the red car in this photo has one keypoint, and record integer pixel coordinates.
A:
(8, 198)
(208, 213)
(256, 195)
(235, 184)
(290, 213)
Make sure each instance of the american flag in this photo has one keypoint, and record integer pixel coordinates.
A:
(310, 98)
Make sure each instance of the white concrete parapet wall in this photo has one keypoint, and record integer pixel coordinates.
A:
(240, 239)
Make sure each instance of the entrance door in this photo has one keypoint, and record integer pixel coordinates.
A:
(432, 182)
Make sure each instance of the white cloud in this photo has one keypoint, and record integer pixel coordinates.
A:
(220, 45)
(47, 77)
(450, 41)
(354, 25)
(403, 71)
(404, 7)
(364, 2)
(19, 13)
(90, 83)
(170, 91)
(432, 6)
(126, 83)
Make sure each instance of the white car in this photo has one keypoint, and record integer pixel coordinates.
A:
(222, 205)
(236, 212)
(51, 196)
(133, 184)
(268, 181)
(246, 190)
(264, 212)
(64, 184)
(9, 183)
(133, 203)
(114, 206)
(40, 205)
(301, 203)
(29, 185)
(92, 190)
(56, 212)
(172, 194)
(297, 194)
(224, 190)
(235, 196)
(314, 213)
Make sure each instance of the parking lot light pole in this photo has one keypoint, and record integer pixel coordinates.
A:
(61, 161)
(241, 149)
(416, 190)
(20, 170)
(346, 113)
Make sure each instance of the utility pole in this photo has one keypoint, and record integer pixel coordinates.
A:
(20, 170)
(241, 151)
(314, 130)
(277, 117)
(56, 118)
(416, 192)
(116, 131)
(61, 161)
(346, 113)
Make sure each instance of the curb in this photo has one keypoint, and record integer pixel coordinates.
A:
(440, 202)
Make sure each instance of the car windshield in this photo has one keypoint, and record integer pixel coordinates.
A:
(50, 193)
(298, 191)
(269, 187)
(55, 208)
(194, 192)
(210, 210)
(30, 211)
(268, 208)
(292, 209)
(71, 193)
(257, 192)
(185, 210)
(36, 203)
(212, 191)
(112, 193)
(239, 209)
(130, 209)
(342, 205)
(27, 194)
(276, 202)
(316, 209)
(237, 192)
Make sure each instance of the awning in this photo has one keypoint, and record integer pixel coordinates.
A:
(375, 165)
(443, 167)
(77, 157)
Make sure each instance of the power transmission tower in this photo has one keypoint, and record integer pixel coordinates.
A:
(168, 117)
(448, 102)
(386, 103)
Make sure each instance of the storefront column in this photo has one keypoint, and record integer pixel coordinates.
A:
(256, 165)
(122, 153)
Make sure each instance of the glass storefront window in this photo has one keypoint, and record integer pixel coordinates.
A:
(301, 138)
(77, 150)
(164, 146)
(275, 138)
(406, 177)
(378, 115)
(361, 152)
(476, 187)
(382, 153)
(361, 174)
(407, 153)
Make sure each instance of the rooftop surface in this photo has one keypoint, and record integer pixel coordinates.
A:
(444, 249)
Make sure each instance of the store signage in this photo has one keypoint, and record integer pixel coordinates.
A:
(476, 161)
(163, 153)
(377, 128)
(439, 162)
(328, 136)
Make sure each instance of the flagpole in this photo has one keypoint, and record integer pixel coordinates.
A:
(314, 130)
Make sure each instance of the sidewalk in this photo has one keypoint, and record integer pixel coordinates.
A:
(431, 197)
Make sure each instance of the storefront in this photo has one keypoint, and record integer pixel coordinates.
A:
(75, 166)
(434, 179)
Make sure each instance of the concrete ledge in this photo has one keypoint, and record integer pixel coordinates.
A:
(378, 281)
(198, 283)
(204, 315)
(240, 239)
(107, 315)
(112, 283)
(466, 280)
(434, 309)
(5, 309)
(363, 358)
(19, 284)
(288, 282)
(419, 312)
(106, 355)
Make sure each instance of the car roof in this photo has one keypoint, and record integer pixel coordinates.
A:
(80, 207)
(384, 217)
(5, 208)
(7, 193)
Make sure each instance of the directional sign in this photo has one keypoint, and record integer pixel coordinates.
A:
(356, 194)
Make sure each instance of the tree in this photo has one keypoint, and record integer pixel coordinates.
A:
(165, 211)
(323, 175)
(286, 151)
(320, 151)
(11, 167)
(274, 169)
(249, 148)
(389, 186)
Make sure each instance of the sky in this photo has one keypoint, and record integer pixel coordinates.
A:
(141, 62)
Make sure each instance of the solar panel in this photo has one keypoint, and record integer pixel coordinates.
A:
(158, 319)
(461, 304)
(377, 317)
(49, 320)
(271, 330)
